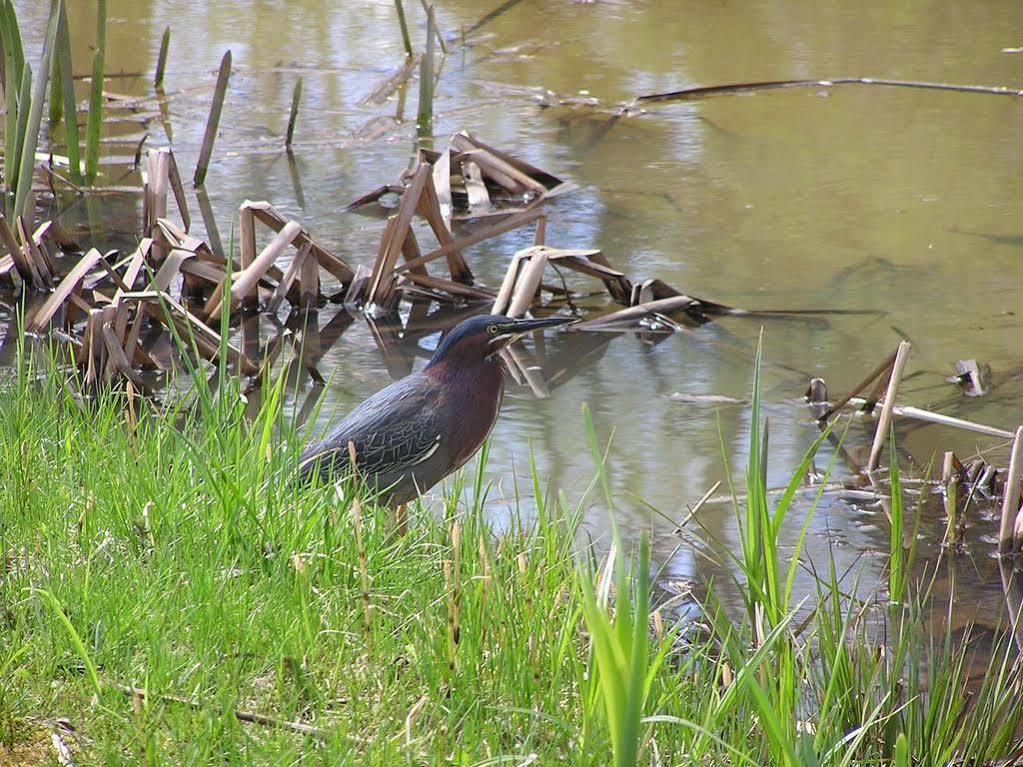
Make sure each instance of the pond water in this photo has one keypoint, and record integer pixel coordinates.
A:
(904, 202)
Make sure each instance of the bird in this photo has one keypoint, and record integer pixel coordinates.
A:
(410, 435)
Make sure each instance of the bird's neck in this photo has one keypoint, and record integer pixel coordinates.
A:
(474, 391)
(476, 379)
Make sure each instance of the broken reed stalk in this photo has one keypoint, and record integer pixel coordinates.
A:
(527, 285)
(179, 191)
(406, 41)
(213, 123)
(424, 118)
(950, 480)
(428, 9)
(510, 222)
(101, 25)
(245, 280)
(880, 370)
(889, 404)
(161, 59)
(1010, 501)
(296, 97)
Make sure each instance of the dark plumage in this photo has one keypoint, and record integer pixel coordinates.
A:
(415, 432)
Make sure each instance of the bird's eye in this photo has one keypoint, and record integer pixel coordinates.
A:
(492, 329)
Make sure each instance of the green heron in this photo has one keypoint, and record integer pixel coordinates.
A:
(410, 435)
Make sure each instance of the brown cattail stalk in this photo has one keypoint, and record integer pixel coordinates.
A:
(456, 581)
(363, 571)
(451, 615)
(485, 584)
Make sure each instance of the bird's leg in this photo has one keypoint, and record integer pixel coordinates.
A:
(401, 520)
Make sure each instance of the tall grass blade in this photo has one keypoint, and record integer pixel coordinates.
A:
(35, 113)
(161, 59)
(21, 128)
(896, 549)
(12, 83)
(94, 123)
(76, 639)
(56, 86)
(12, 42)
(66, 74)
(599, 459)
(213, 122)
(621, 650)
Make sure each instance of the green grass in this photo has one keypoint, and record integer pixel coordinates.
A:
(172, 552)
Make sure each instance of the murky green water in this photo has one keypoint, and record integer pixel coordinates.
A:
(901, 201)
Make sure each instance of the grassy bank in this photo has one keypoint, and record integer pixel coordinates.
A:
(168, 552)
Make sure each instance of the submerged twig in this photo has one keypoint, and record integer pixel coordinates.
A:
(706, 91)
(502, 8)
(296, 97)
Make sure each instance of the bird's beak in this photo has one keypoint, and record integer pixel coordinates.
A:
(515, 329)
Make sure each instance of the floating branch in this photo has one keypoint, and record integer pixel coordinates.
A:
(213, 122)
(707, 91)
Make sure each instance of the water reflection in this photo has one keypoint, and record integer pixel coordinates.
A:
(857, 199)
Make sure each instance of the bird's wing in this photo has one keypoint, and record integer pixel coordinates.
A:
(393, 431)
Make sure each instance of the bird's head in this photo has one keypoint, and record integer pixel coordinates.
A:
(477, 338)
